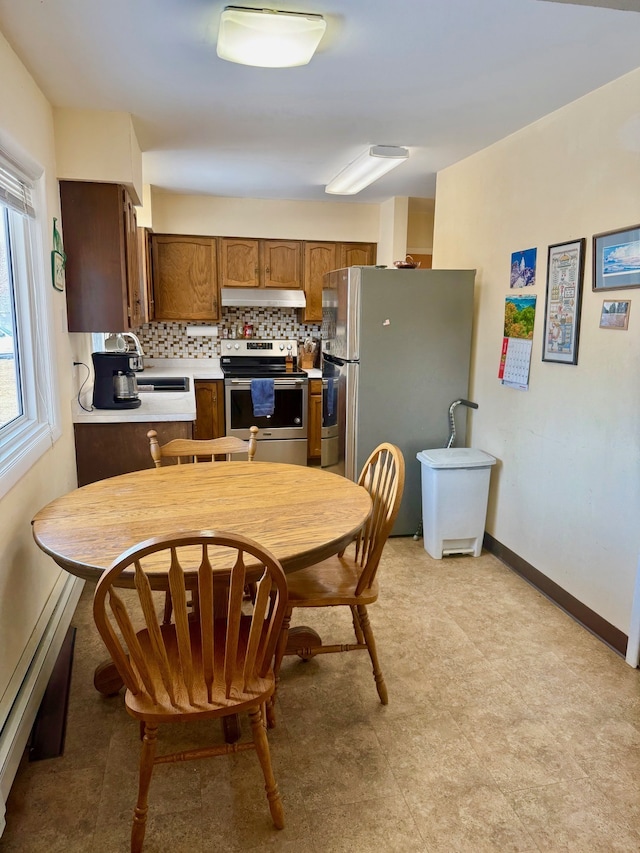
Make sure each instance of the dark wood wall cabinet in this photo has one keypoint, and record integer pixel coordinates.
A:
(106, 450)
(103, 284)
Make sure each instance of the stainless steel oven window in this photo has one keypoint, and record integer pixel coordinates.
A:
(289, 419)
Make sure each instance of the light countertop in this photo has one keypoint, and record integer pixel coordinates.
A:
(158, 406)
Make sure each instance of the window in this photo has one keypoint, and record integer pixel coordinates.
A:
(28, 421)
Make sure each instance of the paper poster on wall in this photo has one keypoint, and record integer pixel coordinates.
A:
(515, 359)
(523, 268)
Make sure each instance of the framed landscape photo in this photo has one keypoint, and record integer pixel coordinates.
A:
(615, 315)
(565, 272)
(616, 259)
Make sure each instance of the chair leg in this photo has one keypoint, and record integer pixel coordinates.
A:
(367, 630)
(277, 663)
(264, 757)
(146, 769)
(356, 626)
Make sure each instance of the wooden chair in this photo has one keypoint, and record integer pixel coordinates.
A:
(191, 450)
(349, 579)
(217, 665)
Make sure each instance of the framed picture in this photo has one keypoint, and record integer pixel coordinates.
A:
(565, 272)
(615, 315)
(616, 259)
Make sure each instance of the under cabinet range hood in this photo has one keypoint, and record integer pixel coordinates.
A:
(261, 297)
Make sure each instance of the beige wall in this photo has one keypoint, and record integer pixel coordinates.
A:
(565, 495)
(27, 576)
(96, 145)
(268, 218)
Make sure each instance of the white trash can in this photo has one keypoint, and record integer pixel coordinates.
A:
(455, 492)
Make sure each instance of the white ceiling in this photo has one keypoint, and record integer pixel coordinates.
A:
(443, 77)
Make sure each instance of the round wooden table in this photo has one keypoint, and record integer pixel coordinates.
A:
(302, 515)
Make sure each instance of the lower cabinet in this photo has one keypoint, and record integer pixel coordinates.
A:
(209, 409)
(106, 450)
(315, 421)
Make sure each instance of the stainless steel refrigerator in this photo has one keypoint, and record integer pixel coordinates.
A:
(396, 349)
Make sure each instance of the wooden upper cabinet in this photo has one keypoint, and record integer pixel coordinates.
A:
(260, 263)
(356, 254)
(319, 259)
(282, 263)
(239, 262)
(102, 272)
(145, 283)
(185, 281)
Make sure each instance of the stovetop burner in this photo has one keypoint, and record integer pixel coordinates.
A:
(252, 359)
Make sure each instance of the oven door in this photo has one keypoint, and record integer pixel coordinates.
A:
(289, 418)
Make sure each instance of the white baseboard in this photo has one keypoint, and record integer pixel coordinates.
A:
(19, 721)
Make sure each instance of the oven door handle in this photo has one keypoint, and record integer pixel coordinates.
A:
(277, 383)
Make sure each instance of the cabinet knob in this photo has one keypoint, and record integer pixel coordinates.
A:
(267, 270)
(256, 271)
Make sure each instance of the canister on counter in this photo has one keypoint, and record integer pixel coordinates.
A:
(247, 330)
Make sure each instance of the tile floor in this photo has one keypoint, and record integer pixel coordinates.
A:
(509, 728)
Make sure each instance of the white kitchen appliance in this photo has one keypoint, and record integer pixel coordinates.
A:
(396, 351)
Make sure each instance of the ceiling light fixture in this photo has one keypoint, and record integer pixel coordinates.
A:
(367, 168)
(268, 38)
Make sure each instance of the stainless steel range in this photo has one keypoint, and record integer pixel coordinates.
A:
(282, 435)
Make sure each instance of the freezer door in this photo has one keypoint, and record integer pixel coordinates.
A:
(341, 313)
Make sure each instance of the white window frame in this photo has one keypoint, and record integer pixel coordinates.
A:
(25, 439)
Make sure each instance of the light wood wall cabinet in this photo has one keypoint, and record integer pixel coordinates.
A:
(102, 272)
(209, 409)
(185, 279)
(319, 259)
(260, 263)
(356, 254)
(315, 420)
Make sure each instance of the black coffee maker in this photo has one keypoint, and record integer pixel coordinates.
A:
(114, 385)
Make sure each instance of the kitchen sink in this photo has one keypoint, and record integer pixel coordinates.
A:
(163, 383)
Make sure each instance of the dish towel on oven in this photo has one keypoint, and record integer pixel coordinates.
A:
(262, 397)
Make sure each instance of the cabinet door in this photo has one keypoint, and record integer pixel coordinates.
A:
(239, 262)
(209, 409)
(357, 254)
(94, 234)
(184, 277)
(144, 272)
(135, 294)
(282, 263)
(319, 258)
(315, 419)
(106, 450)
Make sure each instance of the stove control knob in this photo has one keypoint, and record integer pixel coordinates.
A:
(228, 346)
(297, 421)
(289, 347)
(236, 346)
(281, 347)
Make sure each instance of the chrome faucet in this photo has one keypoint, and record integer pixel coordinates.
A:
(135, 340)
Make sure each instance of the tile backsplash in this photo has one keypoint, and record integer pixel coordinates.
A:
(170, 340)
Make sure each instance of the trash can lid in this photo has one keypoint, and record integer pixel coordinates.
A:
(455, 457)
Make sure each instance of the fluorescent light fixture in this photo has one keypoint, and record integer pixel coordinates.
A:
(372, 164)
(267, 38)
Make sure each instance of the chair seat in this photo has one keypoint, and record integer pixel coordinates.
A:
(332, 582)
(241, 697)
